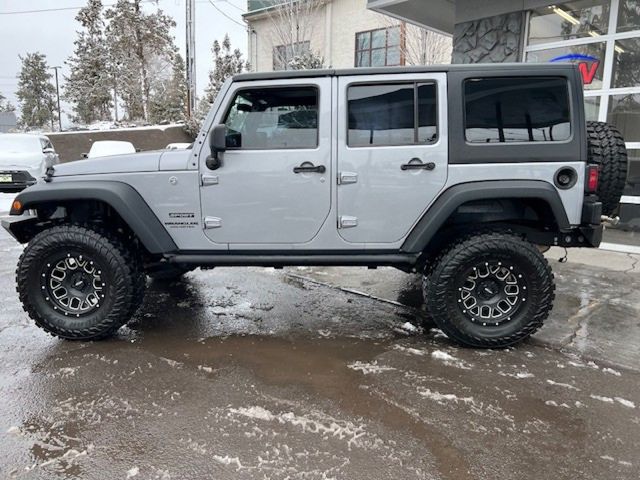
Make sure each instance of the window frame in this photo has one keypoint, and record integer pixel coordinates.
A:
(610, 39)
(400, 46)
(416, 112)
(238, 91)
(306, 43)
(572, 120)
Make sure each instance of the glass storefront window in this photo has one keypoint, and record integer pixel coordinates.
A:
(633, 173)
(591, 108)
(629, 15)
(567, 20)
(624, 113)
(594, 68)
(626, 63)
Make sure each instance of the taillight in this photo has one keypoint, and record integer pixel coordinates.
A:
(593, 174)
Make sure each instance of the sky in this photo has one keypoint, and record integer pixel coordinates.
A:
(53, 33)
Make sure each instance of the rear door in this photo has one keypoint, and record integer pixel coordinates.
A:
(392, 153)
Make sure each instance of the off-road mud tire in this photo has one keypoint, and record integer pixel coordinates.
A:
(606, 148)
(120, 269)
(447, 276)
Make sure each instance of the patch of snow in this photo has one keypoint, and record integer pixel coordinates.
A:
(609, 458)
(324, 333)
(172, 363)
(368, 368)
(443, 398)
(258, 413)
(437, 333)
(227, 460)
(409, 327)
(553, 403)
(626, 403)
(205, 368)
(602, 399)
(323, 425)
(68, 371)
(450, 360)
(6, 199)
(14, 431)
(132, 472)
(564, 385)
(518, 375)
(409, 350)
(612, 372)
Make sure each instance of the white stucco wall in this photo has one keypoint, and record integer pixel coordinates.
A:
(332, 36)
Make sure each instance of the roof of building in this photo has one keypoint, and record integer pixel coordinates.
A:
(478, 67)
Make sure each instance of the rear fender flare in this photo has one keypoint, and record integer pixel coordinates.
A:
(448, 202)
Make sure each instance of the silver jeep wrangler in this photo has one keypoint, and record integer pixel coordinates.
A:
(462, 173)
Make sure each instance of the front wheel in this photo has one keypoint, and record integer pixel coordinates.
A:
(78, 284)
(490, 290)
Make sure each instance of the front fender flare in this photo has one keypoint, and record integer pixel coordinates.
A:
(123, 198)
(447, 203)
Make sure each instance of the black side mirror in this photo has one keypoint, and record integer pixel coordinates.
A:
(217, 144)
(84, 155)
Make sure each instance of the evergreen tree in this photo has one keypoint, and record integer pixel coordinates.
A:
(135, 40)
(169, 96)
(5, 105)
(88, 87)
(36, 92)
(226, 63)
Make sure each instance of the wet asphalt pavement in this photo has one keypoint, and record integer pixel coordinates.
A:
(257, 373)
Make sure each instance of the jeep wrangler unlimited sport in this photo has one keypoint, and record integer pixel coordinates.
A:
(465, 173)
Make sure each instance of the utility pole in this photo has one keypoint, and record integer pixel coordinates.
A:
(58, 95)
(191, 57)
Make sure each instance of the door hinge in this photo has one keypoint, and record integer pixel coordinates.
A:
(347, 222)
(212, 222)
(208, 179)
(345, 178)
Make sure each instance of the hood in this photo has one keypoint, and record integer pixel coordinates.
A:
(21, 161)
(130, 163)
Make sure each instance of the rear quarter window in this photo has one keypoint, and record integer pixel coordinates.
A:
(517, 110)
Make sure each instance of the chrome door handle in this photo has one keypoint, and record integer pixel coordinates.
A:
(418, 165)
(310, 168)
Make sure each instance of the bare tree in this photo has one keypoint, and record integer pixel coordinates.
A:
(422, 46)
(291, 29)
(425, 47)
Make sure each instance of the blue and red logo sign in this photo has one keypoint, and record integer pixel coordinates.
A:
(587, 65)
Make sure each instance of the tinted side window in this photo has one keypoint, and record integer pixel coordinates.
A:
(385, 115)
(273, 118)
(504, 110)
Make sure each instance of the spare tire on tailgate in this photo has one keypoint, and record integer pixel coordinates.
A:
(606, 148)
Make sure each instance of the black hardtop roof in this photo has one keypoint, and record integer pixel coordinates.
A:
(492, 68)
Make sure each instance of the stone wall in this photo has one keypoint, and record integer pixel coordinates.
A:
(71, 145)
(496, 39)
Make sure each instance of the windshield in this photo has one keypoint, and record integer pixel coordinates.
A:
(19, 144)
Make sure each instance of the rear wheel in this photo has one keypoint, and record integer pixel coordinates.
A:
(606, 148)
(77, 283)
(490, 290)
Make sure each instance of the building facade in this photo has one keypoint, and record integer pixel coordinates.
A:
(343, 33)
(601, 36)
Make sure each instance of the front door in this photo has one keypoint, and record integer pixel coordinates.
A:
(392, 153)
(273, 185)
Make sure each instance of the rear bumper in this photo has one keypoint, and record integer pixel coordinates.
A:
(20, 180)
(591, 229)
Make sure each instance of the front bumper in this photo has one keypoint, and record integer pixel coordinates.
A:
(20, 226)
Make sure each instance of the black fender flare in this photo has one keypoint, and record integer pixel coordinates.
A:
(448, 201)
(123, 198)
